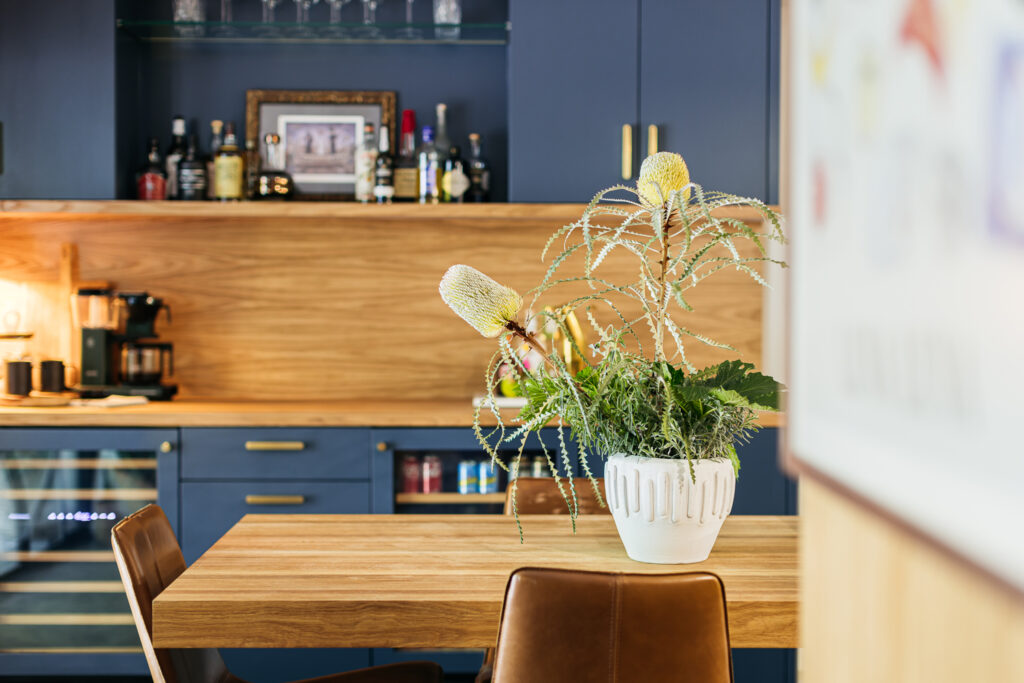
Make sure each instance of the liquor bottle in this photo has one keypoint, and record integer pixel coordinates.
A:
(441, 140)
(192, 179)
(426, 157)
(216, 140)
(229, 168)
(151, 181)
(252, 168)
(174, 154)
(366, 161)
(407, 182)
(479, 173)
(454, 181)
(384, 173)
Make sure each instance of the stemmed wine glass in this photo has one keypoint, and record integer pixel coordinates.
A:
(409, 31)
(336, 7)
(370, 29)
(302, 14)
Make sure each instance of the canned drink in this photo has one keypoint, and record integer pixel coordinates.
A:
(539, 467)
(487, 477)
(467, 476)
(411, 472)
(431, 474)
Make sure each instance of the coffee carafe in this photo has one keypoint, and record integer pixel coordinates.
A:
(118, 356)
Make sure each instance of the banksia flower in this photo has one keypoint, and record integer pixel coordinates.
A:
(479, 300)
(665, 171)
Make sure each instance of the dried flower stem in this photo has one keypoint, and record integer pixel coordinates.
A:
(659, 341)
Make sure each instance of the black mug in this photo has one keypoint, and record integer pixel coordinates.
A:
(51, 376)
(19, 377)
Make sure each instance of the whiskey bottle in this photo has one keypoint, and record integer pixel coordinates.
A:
(216, 140)
(174, 154)
(192, 173)
(479, 173)
(383, 175)
(229, 168)
(441, 141)
(151, 181)
(407, 183)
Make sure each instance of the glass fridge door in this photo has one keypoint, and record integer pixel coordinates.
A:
(60, 592)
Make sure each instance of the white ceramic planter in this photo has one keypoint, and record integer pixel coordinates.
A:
(662, 515)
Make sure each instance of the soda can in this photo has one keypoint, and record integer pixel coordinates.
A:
(467, 476)
(411, 473)
(539, 467)
(487, 477)
(431, 474)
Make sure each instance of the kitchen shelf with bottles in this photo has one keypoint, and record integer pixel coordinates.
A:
(316, 32)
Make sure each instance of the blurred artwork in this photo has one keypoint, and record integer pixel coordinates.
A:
(1007, 147)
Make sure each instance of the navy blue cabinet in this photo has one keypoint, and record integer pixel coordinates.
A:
(572, 85)
(702, 72)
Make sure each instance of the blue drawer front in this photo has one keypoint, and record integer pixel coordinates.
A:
(209, 509)
(274, 666)
(326, 453)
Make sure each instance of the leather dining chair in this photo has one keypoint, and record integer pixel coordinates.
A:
(540, 496)
(149, 559)
(563, 626)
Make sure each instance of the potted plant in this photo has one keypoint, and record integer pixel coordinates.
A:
(667, 430)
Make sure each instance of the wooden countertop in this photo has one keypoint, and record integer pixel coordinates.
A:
(437, 580)
(211, 413)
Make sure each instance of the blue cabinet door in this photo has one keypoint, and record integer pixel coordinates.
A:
(572, 84)
(704, 81)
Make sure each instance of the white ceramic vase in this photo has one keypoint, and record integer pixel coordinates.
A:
(663, 516)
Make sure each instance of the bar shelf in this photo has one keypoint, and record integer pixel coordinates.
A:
(448, 498)
(315, 32)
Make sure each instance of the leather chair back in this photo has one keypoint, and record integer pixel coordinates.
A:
(540, 496)
(560, 625)
(149, 559)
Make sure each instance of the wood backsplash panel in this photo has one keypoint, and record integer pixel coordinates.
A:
(329, 306)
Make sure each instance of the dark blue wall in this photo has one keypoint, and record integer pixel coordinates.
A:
(57, 99)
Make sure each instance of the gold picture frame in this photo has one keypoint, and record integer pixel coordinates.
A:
(323, 127)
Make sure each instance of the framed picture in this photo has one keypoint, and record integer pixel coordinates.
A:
(320, 132)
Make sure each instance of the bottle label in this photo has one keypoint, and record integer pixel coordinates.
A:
(192, 181)
(228, 177)
(384, 192)
(454, 183)
(152, 186)
(407, 183)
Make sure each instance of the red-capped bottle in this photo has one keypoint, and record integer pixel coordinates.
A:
(407, 179)
(151, 182)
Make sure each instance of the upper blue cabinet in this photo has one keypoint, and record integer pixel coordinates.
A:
(705, 74)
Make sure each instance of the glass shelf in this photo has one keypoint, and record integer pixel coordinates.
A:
(312, 33)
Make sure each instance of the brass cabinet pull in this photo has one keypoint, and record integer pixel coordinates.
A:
(274, 500)
(274, 445)
(166, 447)
(382, 446)
(627, 151)
(652, 139)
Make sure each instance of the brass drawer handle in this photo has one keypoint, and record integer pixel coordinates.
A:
(652, 140)
(274, 500)
(166, 447)
(274, 445)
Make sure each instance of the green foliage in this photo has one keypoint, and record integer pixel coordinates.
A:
(640, 396)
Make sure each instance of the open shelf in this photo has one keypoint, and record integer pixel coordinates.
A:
(448, 498)
(316, 32)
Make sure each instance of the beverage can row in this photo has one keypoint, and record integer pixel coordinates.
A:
(477, 477)
(421, 476)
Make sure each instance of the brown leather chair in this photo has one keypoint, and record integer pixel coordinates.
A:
(571, 626)
(149, 559)
(540, 496)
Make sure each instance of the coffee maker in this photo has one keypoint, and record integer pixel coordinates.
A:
(119, 355)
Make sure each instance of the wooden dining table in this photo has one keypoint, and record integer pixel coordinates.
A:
(438, 581)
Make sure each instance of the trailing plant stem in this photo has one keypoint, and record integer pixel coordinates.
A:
(659, 341)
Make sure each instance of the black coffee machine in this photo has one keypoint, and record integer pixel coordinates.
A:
(119, 355)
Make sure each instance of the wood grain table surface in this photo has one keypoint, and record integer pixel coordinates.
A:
(437, 581)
